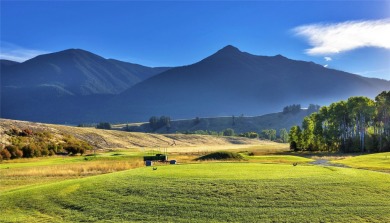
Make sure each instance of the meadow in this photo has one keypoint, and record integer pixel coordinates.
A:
(377, 162)
(208, 192)
(116, 187)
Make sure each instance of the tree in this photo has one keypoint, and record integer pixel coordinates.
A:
(156, 123)
(269, 134)
(295, 108)
(294, 138)
(153, 122)
(283, 134)
(5, 154)
(356, 125)
(103, 125)
(313, 108)
(307, 133)
(228, 132)
(251, 135)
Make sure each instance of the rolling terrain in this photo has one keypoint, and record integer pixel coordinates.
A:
(112, 139)
(239, 124)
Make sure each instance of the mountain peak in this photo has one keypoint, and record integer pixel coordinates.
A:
(229, 49)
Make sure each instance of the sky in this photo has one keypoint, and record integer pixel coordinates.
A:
(352, 36)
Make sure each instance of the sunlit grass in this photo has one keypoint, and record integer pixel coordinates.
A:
(377, 161)
(278, 159)
(208, 192)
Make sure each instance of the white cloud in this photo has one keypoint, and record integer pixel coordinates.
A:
(326, 65)
(9, 51)
(328, 58)
(345, 36)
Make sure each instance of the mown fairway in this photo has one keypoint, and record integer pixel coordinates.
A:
(377, 161)
(208, 192)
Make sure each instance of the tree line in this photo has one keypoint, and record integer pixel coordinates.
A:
(358, 124)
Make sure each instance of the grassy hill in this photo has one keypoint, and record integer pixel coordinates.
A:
(112, 139)
(208, 192)
(240, 124)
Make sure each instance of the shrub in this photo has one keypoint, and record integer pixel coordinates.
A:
(252, 135)
(5, 154)
(221, 156)
(103, 125)
(228, 132)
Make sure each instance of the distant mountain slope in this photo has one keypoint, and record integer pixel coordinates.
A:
(239, 124)
(67, 86)
(7, 63)
(76, 72)
(234, 82)
(75, 86)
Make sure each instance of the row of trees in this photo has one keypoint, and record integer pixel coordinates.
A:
(356, 125)
(156, 122)
(270, 134)
(295, 108)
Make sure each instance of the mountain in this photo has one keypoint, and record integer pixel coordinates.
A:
(66, 86)
(7, 63)
(76, 72)
(233, 82)
(76, 86)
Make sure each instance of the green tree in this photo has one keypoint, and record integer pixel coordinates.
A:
(228, 132)
(283, 134)
(103, 125)
(294, 138)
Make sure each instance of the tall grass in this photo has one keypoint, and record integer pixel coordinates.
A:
(85, 169)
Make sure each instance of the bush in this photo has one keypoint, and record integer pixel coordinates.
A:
(252, 135)
(228, 132)
(103, 125)
(221, 156)
(5, 154)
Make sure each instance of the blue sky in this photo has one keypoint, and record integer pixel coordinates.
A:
(175, 33)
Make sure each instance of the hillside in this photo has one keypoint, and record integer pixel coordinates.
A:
(240, 124)
(77, 72)
(69, 86)
(234, 82)
(112, 139)
(75, 86)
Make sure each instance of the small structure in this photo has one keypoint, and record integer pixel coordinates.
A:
(157, 157)
(148, 163)
(172, 162)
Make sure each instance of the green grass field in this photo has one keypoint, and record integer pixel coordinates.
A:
(377, 161)
(278, 159)
(208, 192)
(20, 173)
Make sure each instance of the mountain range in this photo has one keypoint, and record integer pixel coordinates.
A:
(74, 86)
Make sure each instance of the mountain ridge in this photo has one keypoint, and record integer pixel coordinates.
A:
(228, 82)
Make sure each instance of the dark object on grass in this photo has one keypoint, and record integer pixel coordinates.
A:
(172, 162)
(157, 157)
(221, 156)
(294, 164)
(154, 168)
